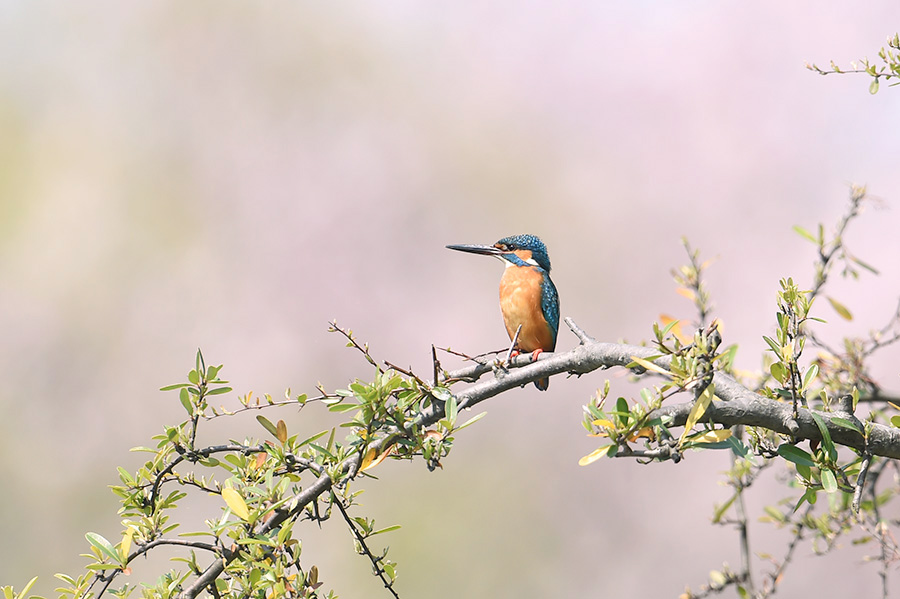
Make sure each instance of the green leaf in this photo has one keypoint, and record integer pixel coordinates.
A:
(24, 592)
(219, 391)
(720, 511)
(794, 454)
(471, 420)
(846, 423)
(185, 399)
(804, 233)
(104, 546)
(840, 308)
(441, 393)
(313, 438)
(173, 387)
(809, 495)
(738, 447)
(873, 87)
(895, 420)
(388, 529)
(775, 347)
(450, 409)
(779, 372)
(811, 373)
(829, 482)
(868, 267)
(267, 424)
(343, 407)
(826, 436)
(622, 411)
(668, 328)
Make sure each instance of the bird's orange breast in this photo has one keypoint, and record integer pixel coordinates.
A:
(520, 302)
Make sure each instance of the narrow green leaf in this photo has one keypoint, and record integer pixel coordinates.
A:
(388, 529)
(668, 328)
(846, 423)
(794, 454)
(840, 308)
(219, 391)
(267, 424)
(804, 233)
(771, 342)
(720, 511)
(471, 420)
(827, 443)
(173, 387)
(313, 438)
(24, 592)
(104, 546)
(868, 267)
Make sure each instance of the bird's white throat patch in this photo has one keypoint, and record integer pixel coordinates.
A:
(530, 261)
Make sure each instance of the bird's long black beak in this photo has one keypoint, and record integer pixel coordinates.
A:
(486, 250)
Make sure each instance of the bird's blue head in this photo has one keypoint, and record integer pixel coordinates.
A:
(526, 247)
(520, 250)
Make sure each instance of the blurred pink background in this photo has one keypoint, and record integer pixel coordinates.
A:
(233, 175)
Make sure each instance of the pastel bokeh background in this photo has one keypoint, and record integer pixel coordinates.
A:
(234, 175)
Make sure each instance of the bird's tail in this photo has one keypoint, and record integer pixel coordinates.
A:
(542, 384)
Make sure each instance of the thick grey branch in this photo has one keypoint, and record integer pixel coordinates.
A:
(739, 405)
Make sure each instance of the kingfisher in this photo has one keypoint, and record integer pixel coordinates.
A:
(528, 297)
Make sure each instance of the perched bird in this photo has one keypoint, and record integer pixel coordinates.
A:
(528, 297)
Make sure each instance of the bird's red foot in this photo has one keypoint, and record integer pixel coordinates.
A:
(535, 354)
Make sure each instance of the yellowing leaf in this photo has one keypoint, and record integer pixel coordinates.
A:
(604, 424)
(237, 504)
(260, 459)
(677, 329)
(648, 365)
(646, 432)
(125, 546)
(687, 293)
(698, 410)
(281, 431)
(371, 459)
(712, 436)
(840, 308)
(594, 455)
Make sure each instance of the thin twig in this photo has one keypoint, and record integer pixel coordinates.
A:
(376, 562)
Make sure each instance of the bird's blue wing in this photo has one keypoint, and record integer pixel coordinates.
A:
(550, 305)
